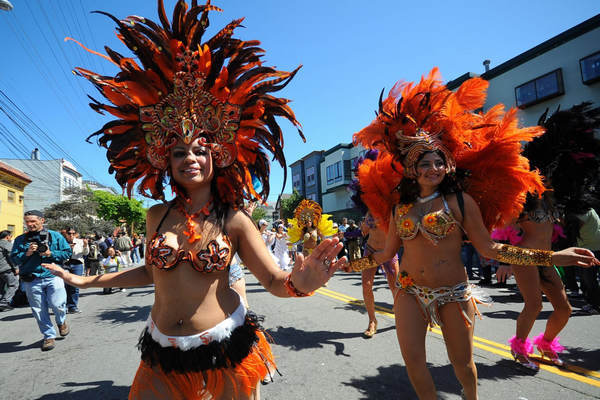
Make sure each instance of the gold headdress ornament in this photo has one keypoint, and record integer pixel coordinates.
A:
(427, 116)
(185, 89)
(308, 211)
(411, 147)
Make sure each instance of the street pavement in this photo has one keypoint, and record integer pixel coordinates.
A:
(318, 344)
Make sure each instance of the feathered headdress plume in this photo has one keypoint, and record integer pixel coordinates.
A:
(374, 188)
(426, 116)
(186, 88)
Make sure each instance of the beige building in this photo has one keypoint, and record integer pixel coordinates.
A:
(562, 71)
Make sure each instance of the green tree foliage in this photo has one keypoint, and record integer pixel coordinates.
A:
(79, 211)
(121, 210)
(258, 214)
(289, 205)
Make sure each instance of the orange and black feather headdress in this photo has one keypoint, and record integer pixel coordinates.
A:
(186, 88)
(426, 116)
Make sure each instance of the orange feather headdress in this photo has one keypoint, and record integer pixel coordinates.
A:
(185, 89)
(426, 116)
(377, 176)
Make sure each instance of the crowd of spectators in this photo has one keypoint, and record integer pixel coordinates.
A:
(24, 281)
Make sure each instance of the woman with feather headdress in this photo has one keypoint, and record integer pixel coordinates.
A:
(309, 226)
(202, 115)
(436, 136)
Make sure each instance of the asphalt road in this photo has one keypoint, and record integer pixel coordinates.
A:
(318, 344)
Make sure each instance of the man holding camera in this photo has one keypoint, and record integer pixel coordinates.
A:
(43, 289)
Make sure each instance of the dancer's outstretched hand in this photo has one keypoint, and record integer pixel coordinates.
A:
(575, 256)
(71, 279)
(314, 271)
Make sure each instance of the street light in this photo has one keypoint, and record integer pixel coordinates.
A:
(5, 5)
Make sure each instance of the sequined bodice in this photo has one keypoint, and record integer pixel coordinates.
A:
(215, 257)
(434, 226)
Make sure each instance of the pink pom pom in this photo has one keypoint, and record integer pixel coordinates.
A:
(521, 346)
(557, 232)
(545, 345)
(509, 233)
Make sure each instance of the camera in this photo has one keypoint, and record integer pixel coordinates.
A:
(40, 238)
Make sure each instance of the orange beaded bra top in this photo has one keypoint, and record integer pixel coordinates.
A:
(215, 257)
(434, 225)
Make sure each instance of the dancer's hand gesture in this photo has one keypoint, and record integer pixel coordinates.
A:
(314, 271)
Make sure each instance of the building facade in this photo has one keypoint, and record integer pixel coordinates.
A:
(12, 198)
(49, 178)
(337, 169)
(323, 176)
(306, 176)
(562, 71)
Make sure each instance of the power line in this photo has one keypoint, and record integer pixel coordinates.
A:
(44, 134)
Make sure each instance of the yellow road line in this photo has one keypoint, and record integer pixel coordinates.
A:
(572, 371)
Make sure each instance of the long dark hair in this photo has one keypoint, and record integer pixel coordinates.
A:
(409, 187)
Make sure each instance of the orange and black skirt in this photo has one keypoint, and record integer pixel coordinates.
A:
(228, 369)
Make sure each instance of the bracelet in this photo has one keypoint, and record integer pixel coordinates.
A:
(519, 256)
(363, 263)
(291, 289)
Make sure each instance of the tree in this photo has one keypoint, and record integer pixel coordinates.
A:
(289, 205)
(79, 211)
(121, 210)
(258, 214)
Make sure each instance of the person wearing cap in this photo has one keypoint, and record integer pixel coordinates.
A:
(29, 251)
(267, 235)
(281, 249)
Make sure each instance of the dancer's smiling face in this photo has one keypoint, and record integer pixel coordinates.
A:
(431, 169)
(191, 164)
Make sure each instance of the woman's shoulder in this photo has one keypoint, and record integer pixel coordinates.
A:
(237, 219)
(157, 209)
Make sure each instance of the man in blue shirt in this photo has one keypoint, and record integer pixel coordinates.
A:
(43, 289)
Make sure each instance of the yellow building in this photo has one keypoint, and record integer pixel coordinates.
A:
(12, 185)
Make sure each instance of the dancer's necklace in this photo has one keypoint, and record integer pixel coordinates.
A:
(428, 198)
(190, 224)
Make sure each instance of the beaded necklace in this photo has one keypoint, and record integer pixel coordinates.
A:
(190, 224)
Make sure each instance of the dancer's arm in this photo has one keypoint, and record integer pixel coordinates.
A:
(129, 278)
(393, 242)
(139, 276)
(308, 273)
(481, 240)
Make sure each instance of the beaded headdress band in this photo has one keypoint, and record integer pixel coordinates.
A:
(411, 148)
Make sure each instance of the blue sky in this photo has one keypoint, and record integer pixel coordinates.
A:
(349, 50)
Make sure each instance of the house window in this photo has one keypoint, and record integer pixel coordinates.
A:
(296, 181)
(590, 68)
(540, 89)
(334, 172)
(310, 176)
(11, 196)
(312, 196)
